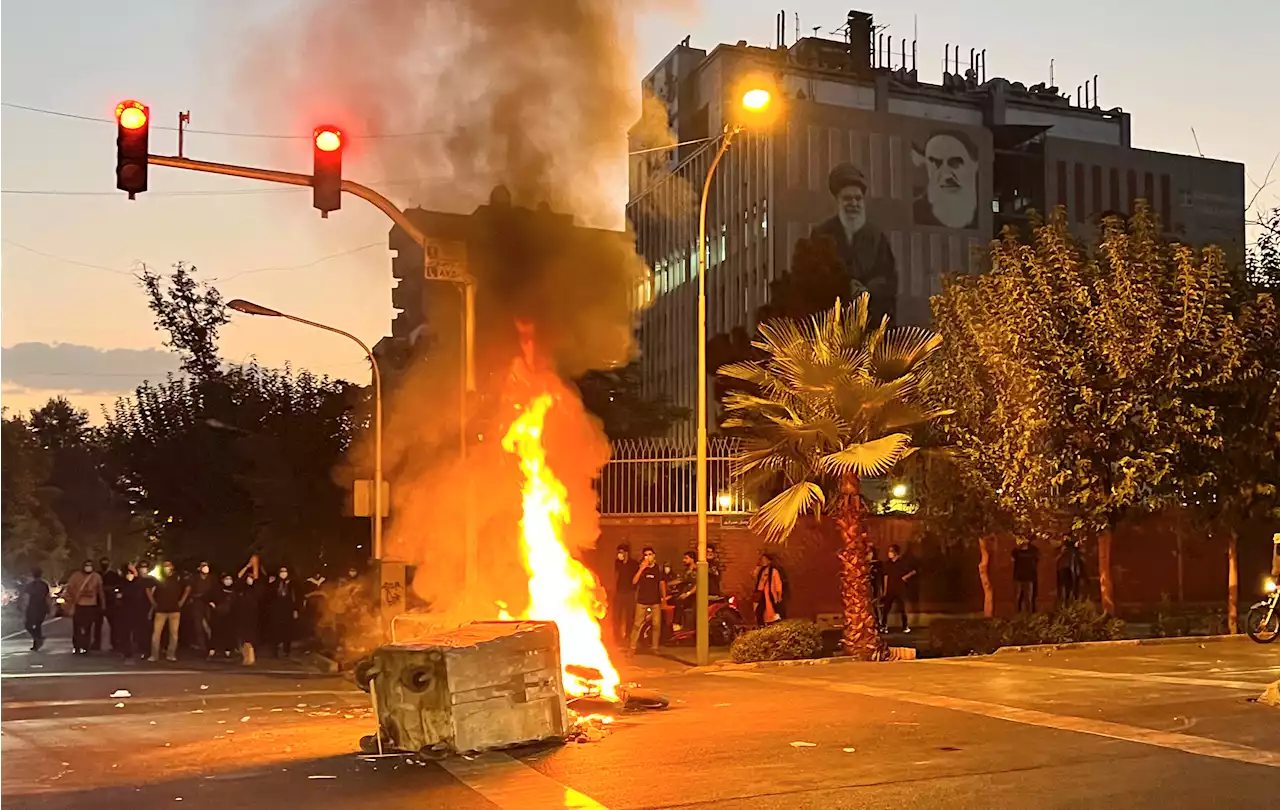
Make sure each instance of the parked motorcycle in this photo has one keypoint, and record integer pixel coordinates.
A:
(1263, 622)
(724, 624)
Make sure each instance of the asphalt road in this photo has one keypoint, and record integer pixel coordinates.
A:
(1125, 727)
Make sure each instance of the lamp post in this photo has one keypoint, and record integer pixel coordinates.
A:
(250, 308)
(754, 100)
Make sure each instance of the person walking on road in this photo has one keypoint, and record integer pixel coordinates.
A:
(651, 592)
(202, 587)
(222, 625)
(132, 614)
(283, 605)
(110, 583)
(38, 600)
(247, 611)
(85, 601)
(875, 575)
(1026, 577)
(167, 599)
(770, 591)
(899, 588)
(1070, 572)
(624, 594)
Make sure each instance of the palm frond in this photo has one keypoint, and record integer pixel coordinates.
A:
(902, 349)
(869, 459)
(778, 517)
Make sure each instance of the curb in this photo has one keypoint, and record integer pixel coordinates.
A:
(1123, 642)
(799, 662)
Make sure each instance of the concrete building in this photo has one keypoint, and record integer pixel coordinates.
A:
(942, 168)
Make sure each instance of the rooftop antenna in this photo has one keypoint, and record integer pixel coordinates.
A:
(1051, 82)
(1196, 138)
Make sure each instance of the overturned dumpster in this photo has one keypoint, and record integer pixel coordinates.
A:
(481, 686)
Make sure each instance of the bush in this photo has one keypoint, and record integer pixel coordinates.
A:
(1081, 621)
(781, 641)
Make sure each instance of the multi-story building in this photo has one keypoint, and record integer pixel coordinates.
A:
(940, 169)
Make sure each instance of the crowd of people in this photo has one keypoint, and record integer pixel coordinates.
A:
(144, 613)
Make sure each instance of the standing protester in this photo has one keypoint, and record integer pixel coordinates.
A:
(222, 627)
(167, 599)
(770, 591)
(283, 604)
(247, 611)
(39, 598)
(713, 571)
(110, 584)
(202, 587)
(899, 588)
(132, 613)
(1070, 571)
(1026, 578)
(85, 601)
(624, 593)
(686, 591)
(875, 584)
(651, 592)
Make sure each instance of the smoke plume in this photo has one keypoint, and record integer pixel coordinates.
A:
(536, 97)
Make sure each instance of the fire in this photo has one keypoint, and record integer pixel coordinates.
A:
(561, 589)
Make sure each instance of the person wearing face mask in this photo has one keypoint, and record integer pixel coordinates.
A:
(110, 588)
(167, 599)
(623, 599)
(283, 605)
(203, 586)
(247, 610)
(222, 628)
(85, 600)
(651, 592)
(132, 614)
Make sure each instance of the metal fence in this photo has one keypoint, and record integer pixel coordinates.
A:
(656, 477)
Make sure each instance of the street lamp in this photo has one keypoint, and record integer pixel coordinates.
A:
(755, 101)
(250, 308)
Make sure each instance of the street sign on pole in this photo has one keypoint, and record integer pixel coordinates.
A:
(363, 498)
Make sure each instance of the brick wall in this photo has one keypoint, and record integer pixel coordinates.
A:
(1144, 561)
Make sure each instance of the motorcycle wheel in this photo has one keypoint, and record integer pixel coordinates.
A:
(724, 631)
(1260, 626)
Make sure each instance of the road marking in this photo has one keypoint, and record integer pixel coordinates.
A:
(129, 673)
(53, 704)
(24, 632)
(511, 784)
(1139, 677)
(1187, 743)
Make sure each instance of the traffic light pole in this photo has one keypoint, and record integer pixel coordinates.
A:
(442, 272)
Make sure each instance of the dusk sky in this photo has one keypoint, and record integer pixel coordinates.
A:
(75, 321)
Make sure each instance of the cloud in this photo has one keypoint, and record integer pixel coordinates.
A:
(82, 369)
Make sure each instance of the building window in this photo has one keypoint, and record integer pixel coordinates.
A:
(1113, 179)
(1166, 203)
(815, 152)
(724, 238)
(1079, 192)
(874, 173)
(1131, 180)
(1149, 189)
(1062, 183)
(1095, 180)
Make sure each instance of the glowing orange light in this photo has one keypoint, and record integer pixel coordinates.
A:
(756, 99)
(328, 140)
(131, 115)
(561, 589)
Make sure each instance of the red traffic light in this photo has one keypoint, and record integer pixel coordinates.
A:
(131, 114)
(328, 139)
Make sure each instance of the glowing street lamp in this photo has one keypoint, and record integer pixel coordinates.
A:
(755, 101)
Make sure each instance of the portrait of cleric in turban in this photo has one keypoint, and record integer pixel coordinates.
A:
(950, 194)
(864, 251)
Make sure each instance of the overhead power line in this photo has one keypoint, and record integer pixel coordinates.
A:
(223, 133)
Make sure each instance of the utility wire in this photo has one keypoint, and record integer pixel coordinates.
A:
(223, 133)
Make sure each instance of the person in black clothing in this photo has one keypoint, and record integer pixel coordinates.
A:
(686, 590)
(110, 582)
(624, 593)
(222, 627)
(1070, 571)
(651, 592)
(36, 592)
(283, 605)
(713, 571)
(1026, 561)
(899, 585)
(875, 575)
(132, 613)
(202, 587)
(247, 611)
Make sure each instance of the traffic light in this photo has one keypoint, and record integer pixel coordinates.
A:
(326, 179)
(133, 129)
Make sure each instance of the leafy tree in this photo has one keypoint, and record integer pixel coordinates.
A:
(835, 402)
(30, 532)
(616, 398)
(1263, 260)
(190, 312)
(1082, 390)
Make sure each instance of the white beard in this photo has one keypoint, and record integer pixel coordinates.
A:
(953, 208)
(851, 223)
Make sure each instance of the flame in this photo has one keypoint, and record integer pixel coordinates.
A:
(561, 589)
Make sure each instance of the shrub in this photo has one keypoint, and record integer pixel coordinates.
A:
(1081, 621)
(781, 641)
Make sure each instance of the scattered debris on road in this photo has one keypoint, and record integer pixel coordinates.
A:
(848, 750)
(321, 776)
(120, 693)
(802, 744)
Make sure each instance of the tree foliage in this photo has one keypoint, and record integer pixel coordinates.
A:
(616, 398)
(190, 313)
(1263, 260)
(32, 535)
(1088, 383)
(834, 400)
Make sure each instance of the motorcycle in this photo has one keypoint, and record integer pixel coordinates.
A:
(724, 624)
(1263, 622)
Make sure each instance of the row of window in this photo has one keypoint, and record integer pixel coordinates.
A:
(1089, 190)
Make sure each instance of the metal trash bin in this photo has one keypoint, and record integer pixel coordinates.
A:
(484, 685)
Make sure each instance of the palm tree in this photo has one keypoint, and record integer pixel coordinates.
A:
(831, 402)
